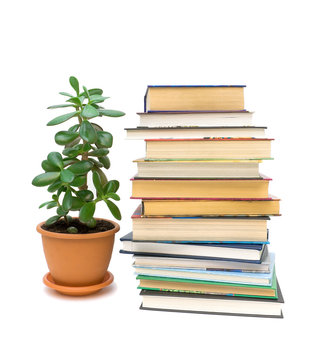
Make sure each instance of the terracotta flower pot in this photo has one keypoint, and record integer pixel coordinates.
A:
(78, 259)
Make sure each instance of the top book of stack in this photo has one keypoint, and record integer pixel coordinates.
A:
(195, 98)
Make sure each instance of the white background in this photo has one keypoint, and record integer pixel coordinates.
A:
(122, 46)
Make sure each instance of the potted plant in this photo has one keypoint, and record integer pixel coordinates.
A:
(78, 249)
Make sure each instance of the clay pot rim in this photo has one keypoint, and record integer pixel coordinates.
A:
(79, 236)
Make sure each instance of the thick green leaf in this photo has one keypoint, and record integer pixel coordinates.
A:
(87, 132)
(52, 205)
(89, 111)
(102, 176)
(97, 182)
(111, 187)
(111, 113)
(67, 200)
(91, 223)
(46, 166)
(45, 203)
(67, 176)
(74, 128)
(68, 218)
(82, 98)
(72, 230)
(95, 92)
(105, 161)
(60, 211)
(91, 92)
(65, 94)
(97, 127)
(74, 84)
(62, 118)
(113, 209)
(99, 152)
(86, 92)
(52, 220)
(73, 143)
(86, 147)
(75, 100)
(94, 99)
(77, 203)
(85, 195)
(55, 159)
(86, 212)
(96, 163)
(46, 178)
(105, 139)
(81, 167)
(60, 190)
(79, 181)
(72, 152)
(54, 186)
(59, 106)
(113, 196)
(65, 137)
(68, 161)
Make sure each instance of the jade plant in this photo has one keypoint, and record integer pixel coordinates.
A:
(86, 146)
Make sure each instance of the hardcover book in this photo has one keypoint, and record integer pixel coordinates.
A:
(194, 97)
(198, 168)
(157, 188)
(142, 133)
(251, 278)
(231, 251)
(196, 118)
(197, 264)
(148, 282)
(190, 207)
(209, 149)
(212, 304)
(216, 229)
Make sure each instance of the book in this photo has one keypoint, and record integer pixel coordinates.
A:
(142, 133)
(231, 251)
(205, 229)
(209, 149)
(194, 97)
(148, 282)
(197, 118)
(249, 278)
(199, 264)
(182, 207)
(198, 168)
(244, 189)
(212, 304)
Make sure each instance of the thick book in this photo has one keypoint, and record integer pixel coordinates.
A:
(194, 97)
(212, 304)
(230, 251)
(142, 133)
(148, 282)
(198, 264)
(209, 149)
(188, 207)
(252, 229)
(249, 278)
(197, 118)
(244, 189)
(198, 168)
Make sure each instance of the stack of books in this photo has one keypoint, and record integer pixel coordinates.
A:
(200, 236)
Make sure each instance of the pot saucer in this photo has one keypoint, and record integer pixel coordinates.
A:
(77, 290)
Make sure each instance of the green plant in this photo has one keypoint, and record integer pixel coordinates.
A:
(86, 149)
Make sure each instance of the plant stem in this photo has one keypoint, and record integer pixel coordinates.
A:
(84, 156)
